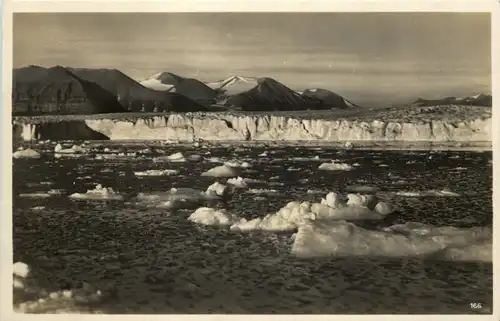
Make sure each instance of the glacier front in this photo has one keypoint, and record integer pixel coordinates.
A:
(395, 125)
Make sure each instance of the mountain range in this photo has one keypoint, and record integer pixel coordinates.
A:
(476, 100)
(59, 90)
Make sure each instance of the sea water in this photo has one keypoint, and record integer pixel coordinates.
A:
(153, 260)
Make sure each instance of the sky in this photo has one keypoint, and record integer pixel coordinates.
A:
(373, 59)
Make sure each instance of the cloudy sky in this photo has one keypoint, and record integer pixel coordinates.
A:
(371, 58)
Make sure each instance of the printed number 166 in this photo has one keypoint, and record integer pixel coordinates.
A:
(475, 305)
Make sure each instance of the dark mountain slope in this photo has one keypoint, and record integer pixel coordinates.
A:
(478, 100)
(134, 96)
(196, 90)
(270, 95)
(57, 90)
(329, 98)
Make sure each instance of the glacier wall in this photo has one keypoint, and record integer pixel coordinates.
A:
(189, 127)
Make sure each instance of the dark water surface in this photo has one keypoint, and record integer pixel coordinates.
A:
(159, 262)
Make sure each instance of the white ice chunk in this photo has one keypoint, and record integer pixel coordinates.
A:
(26, 153)
(221, 171)
(286, 219)
(21, 269)
(177, 157)
(237, 182)
(217, 189)
(99, 193)
(341, 238)
(210, 216)
(157, 172)
(332, 166)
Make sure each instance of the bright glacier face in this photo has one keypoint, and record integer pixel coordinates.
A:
(248, 127)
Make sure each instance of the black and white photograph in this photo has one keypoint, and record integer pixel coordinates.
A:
(243, 163)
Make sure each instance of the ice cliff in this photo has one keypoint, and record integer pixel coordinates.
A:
(234, 127)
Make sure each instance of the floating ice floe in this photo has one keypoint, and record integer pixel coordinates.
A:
(35, 195)
(47, 194)
(177, 198)
(157, 172)
(73, 151)
(21, 269)
(237, 164)
(262, 191)
(332, 166)
(287, 218)
(146, 151)
(342, 238)
(194, 157)
(305, 159)
(432, 193)
(176, 157)
(117, 155)
(30, 298)
(26, 153)
(480, 251)
(294, 214)
(237, 182)
(361, 189)
(215, 160)
(221, 171)
(264, 154)
(313, 191)
(99, 193)
(210, 216)
(217, 189)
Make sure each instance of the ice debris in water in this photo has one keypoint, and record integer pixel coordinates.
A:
(26, 153)
(177, 157)
(75, 149)
(342, 238)
(30, 298)
(35, 195)
(113, 156)
(361, 189)
(177, 198)
(157, 172)
(217, 189)
(194, 157)
(237, 182)
(262, 191)
(99, 193)
(221, 171)
(238, 164)
(21, 269)
(333, 166)
(287, 218)
(210, 216)
(431, 193)
(294, 214)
